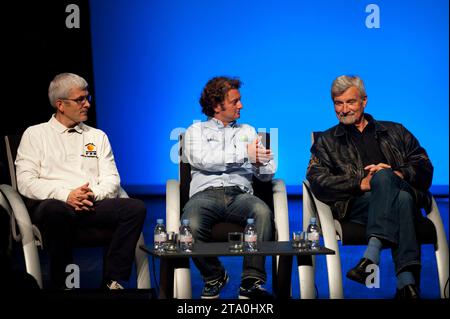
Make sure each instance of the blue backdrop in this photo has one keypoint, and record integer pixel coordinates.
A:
(152, 58)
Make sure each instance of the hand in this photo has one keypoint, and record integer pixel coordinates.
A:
(81, 198)
(399, 174)
(365, 182)
(375, 168)
(258, 155)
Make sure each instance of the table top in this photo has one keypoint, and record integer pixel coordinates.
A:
(267, 248)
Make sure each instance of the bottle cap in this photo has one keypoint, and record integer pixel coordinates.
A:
(250, 220)
(185, 222)
(160, 221)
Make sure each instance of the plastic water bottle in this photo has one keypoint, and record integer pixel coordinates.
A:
(186, 238)
(159, 235)
(313, 233)
(250, 236)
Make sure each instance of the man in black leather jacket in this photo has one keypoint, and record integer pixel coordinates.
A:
(374, 173)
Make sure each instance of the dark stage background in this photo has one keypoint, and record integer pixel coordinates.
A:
(37, 45)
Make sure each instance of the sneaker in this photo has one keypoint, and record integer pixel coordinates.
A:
(212, 288)
(114, 285)
(254, 291)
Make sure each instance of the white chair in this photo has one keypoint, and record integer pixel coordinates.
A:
(430, 230)
(177, 195)
(29, 235)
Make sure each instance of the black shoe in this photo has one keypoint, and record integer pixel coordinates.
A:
(408, 292)
(254, 291)
(212, 288)
(359, 273)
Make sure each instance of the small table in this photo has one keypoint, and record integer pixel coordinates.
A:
(169, 261)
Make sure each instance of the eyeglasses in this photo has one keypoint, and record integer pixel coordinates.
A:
(80, 100)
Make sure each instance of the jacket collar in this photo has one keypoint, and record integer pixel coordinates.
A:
(217, 124)
(60, 128)
(340, 128)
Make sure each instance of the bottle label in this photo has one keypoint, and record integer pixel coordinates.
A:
(251, 238)
(313, 236)
(160, 238)
(186, 239)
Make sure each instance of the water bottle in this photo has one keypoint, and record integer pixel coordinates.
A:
(313, 234)
(186, 238)
(159, 235)
(250, 236)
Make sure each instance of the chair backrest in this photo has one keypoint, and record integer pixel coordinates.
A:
(261, 189)
(5, 230)
(12, 143)
(184, 174)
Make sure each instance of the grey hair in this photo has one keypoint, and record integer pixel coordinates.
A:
(61, 85)
(344, 82)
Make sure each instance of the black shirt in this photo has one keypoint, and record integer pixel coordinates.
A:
(366, 143)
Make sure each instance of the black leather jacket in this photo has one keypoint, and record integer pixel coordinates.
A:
(335, 169)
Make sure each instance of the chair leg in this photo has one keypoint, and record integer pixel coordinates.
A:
(443, 273)
(441, 250)
(306, 276)
(306, 269)
(17, 210)
(182, 283)
(142, 270)
(32, 262)
(334, 273)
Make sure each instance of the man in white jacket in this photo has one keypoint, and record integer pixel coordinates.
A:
(68, 178)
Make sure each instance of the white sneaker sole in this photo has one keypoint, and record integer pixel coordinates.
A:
(217, 296)
(213, 297)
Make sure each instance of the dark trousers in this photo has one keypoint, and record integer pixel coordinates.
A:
(231, 205)
(389, 213)
(58, 222)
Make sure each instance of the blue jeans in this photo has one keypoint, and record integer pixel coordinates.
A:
(227, 204)
(390, 213)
